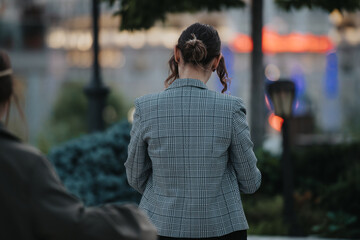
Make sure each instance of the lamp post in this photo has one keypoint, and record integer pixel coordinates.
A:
(282, 93)
(257, 113)
(96, 91)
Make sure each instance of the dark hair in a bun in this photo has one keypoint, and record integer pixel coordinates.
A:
(194, 50)
(199, 44)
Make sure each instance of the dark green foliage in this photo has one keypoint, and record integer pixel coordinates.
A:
(327, 5)
(92, 167)
(142, 14)
(270, 173)
(338, 224)
(327, 192)
(264, 208)
(69, 113)
(264, 214)
(331, 174)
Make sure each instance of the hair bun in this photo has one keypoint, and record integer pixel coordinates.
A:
(194, 50)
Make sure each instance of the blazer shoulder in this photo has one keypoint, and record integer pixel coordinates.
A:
(146, 98)
(236, 102)
(239, 105)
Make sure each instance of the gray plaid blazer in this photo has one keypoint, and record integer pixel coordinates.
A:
(190, 156)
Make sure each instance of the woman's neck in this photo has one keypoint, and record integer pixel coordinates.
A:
(189, 71)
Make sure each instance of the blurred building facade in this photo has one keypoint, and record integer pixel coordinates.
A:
(50, 43)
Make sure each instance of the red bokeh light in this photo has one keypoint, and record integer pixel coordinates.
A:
(276, 43)
(275, 122)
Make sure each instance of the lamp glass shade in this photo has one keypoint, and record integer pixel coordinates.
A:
(282, 95)
(276, 99)
(287, 100)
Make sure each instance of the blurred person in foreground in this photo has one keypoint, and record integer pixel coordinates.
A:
(35, 205)
(190, 153)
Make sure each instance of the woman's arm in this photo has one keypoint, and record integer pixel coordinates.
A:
(138, 164)
(241, 152)
(56, 214)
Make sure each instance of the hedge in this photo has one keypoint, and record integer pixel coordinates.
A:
(92, 166)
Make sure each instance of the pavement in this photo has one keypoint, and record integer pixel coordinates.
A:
(251, 237)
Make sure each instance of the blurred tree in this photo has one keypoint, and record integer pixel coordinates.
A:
(68, 118)
(327, 5)
(142, 14)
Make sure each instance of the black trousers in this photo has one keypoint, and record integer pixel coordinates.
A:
(238, 235)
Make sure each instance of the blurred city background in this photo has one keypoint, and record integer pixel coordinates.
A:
(50, 44)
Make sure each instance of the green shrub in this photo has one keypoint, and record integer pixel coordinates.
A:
(338, 224)
(326, 194)
(92, 167)
(331, 174)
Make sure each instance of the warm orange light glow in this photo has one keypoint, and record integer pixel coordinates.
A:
(242, 43)
(275, 122)
(276, 43)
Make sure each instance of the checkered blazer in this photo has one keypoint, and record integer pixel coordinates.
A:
(190, 156)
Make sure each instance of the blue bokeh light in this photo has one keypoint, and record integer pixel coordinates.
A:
(331, 85)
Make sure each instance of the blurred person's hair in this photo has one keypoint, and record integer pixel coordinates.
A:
(199, 44)
(7, 86)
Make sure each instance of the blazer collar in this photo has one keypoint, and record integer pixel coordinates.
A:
(6, 134)
(181, 82)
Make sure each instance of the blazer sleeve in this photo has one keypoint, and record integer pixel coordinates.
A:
(242, 155)
(56, 214)
(138, 164)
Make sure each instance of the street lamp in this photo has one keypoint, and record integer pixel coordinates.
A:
(282, 94)
(96, 91)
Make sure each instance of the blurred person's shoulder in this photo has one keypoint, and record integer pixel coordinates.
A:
(20, 154)
(21, 148)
